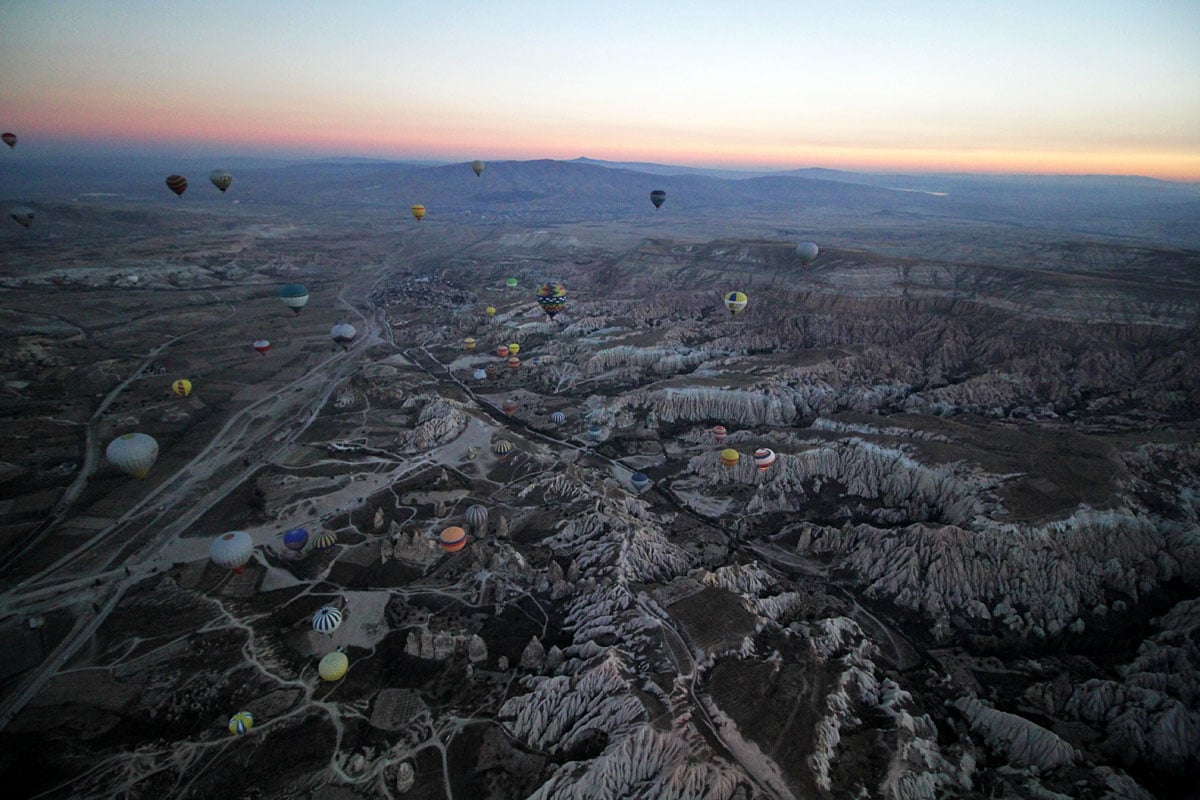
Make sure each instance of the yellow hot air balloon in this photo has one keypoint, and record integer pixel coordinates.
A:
(182, 387)
(730, 457)
(735, 302)
(477, 166)
(490, 311)
(513, 348)
(418, 212)
(469, 343)
(333, 666)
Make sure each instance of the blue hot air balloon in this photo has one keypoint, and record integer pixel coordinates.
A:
(295, 539)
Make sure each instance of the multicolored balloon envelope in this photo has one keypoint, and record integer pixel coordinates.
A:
(453, 539)
(182, 387)
(241, 723)
(764, 457)
(261, 346)
(294, 296)
(177, 184)
(502, 448)
(735, 302)
(640, 480)
(719, 433)
(418, 212)
(552, 297)
(326, 540)
(558, 418)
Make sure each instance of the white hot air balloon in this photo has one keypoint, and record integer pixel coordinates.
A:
(807, 252)
(231, 550)
(343, 333)
(133, 453)
(221, 179)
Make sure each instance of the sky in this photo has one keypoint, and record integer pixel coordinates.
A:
(1044, 86)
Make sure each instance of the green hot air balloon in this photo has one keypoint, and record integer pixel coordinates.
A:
(294, 296)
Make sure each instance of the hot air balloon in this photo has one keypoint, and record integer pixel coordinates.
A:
(480, 374)
(133, 453)
(478, 167)
(658, 197)
(509, 407)
(262, 346)
(453, 539)
(333, 666)
(9, 139)
(231, 550)
(294, 296)
(513, 348)
(807, 252)
(552, 297)
(719, 433)
(640, 480)
(492, 372)
(502, 448)
(295, 539)
(221, 179)
(502, 350)
(177, 184)
(513, 362)
(240, 723)
(469, 343)
(418, 212)
(182, 387)
(326, 620)
(22, 215)
(595, 432)
(730, 457)
(59, 280)
(325, 540)
(764, 457)
(511, 283)
(558, 418)
(343, 333)
(735, 302)
(477, 518)
(490, 311)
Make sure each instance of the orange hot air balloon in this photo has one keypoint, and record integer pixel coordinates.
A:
(502, 350)
(513, 362)
(177, 184)
(453, 539)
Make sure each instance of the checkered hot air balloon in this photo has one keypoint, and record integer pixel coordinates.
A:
(326, 620)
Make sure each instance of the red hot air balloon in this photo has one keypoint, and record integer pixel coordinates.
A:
(177, 184)
(262, 346)
(509, 407)
(719, 433)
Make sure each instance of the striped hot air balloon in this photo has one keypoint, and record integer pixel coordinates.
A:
(326, 620)
(452, 539)
(558, 418)
(719, 433)
(477, 518)
(730, 457)
(469, 343)
(492, 371)
(502, 448)
(241, 723)
(333, 666)
(177, 184)
(764, 457)
(326, 540)
(182, 387)
(418, 212)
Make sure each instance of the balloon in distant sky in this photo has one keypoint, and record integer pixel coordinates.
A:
(658, 197)
(22, 215)
(469, 343)
(9, 139)
(478, 167)
(552, 297)
(807, 252)
(240, 723)
(231, 550)
(177, 184)
(735, 302)
(730, 457)
(182, 387)
(343, 333)
(453, 539)
(764, 457)
(418, 212)
(510, 282)
(262, 346)
(326, 620)
(221, 179)
(133, 453)
(477, 518)
(295, 539)
(294, 296)
(333, 666)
